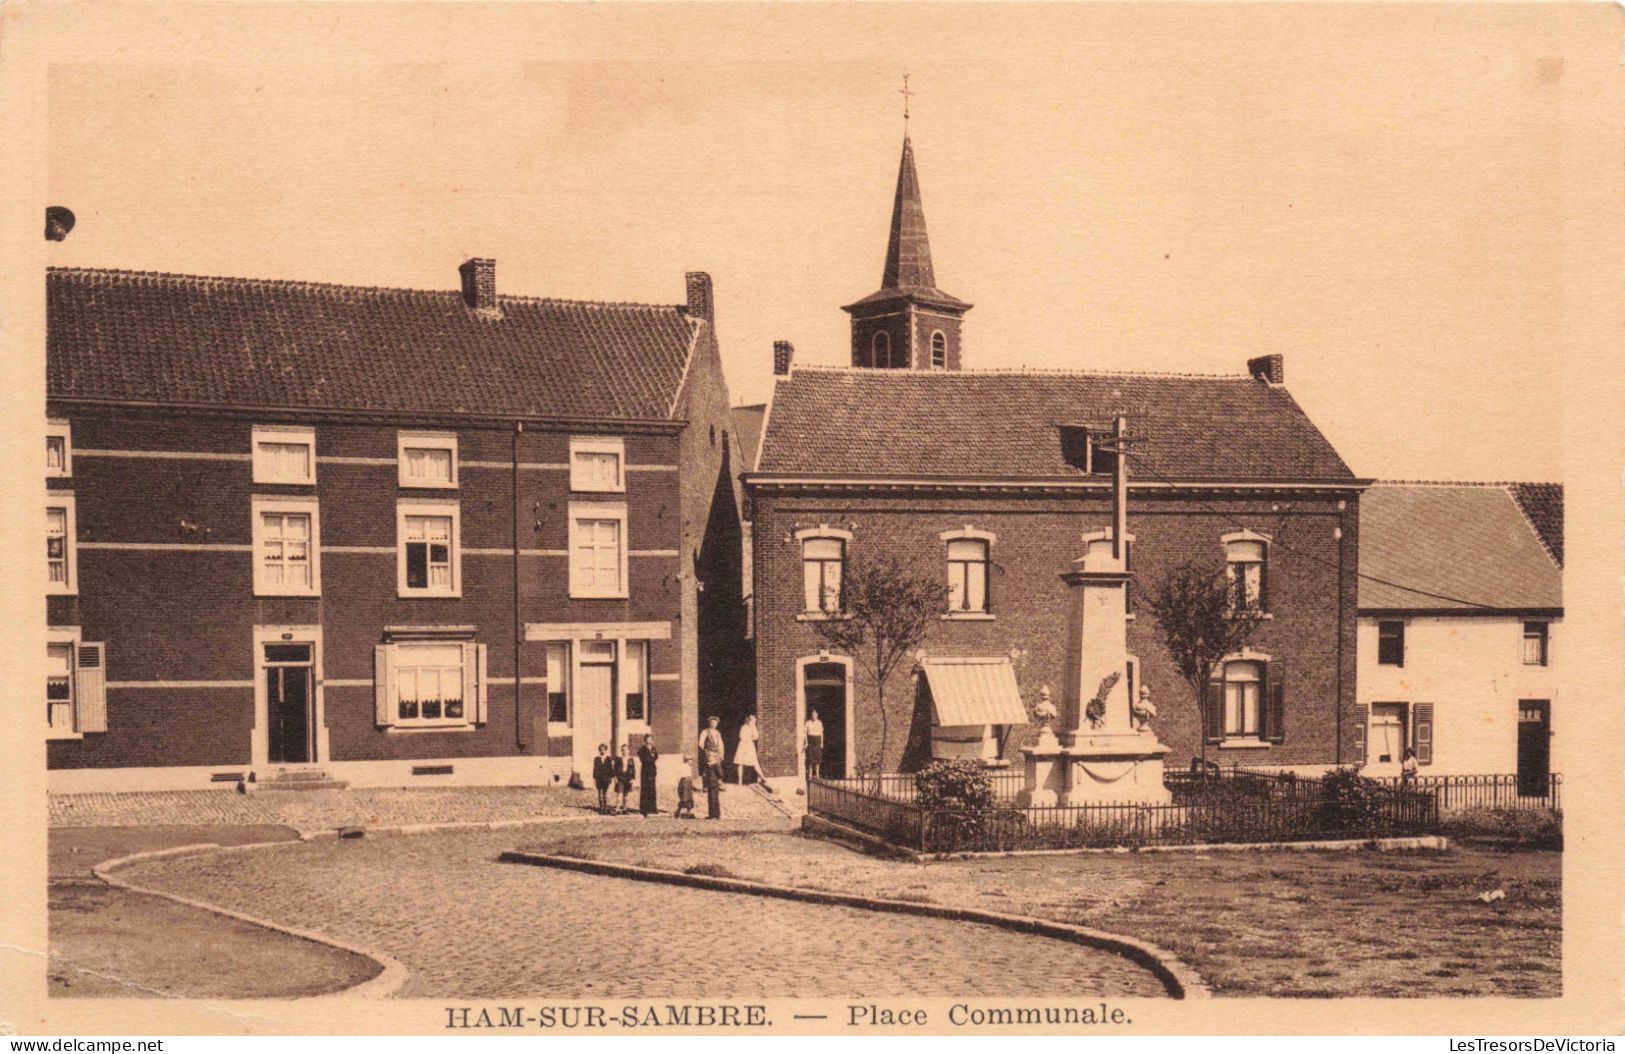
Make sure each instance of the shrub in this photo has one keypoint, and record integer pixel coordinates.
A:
(1351, 803)
(1526, 828)
(956, 784)
(958, 802)
(709, 871)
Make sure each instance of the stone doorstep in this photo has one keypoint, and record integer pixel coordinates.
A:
(301, 779)
(300, 785)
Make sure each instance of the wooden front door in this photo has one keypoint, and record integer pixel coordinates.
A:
(595, 684)
(1534, 747)
(288, 694)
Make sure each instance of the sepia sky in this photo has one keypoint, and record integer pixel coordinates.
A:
(1375, 193)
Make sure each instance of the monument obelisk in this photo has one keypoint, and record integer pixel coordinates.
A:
(1103, 753)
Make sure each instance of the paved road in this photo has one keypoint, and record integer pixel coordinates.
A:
(469, 927)
(327, 809)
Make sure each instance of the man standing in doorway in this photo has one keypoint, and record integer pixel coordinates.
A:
(711, 750)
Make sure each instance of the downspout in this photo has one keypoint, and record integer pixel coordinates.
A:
(518, 624)
(1337, 738)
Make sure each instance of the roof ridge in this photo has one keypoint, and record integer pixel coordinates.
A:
(1021, 371)
(305, 285)
(1502, 484)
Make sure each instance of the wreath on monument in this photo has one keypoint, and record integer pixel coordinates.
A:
(1095, 711)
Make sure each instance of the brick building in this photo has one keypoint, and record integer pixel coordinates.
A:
(996, 481)
(396, 536)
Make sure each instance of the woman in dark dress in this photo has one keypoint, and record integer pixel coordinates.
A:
(603, 774)
(647, 755)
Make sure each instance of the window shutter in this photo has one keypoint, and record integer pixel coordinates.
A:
(1275, 712)
(1424, 733)
(1357, 740)
(1215, 711)
(474, 692)
(1264, 578)
(90, 687)
(382, 686)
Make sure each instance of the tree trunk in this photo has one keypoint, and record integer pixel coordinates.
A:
(880, 698)
(1204, 675)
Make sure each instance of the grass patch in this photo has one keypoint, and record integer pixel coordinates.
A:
(709, 871)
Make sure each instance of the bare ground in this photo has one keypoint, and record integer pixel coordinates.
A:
(112, 943)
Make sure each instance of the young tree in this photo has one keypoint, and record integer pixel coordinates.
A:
(1202, 621)
(885, 611)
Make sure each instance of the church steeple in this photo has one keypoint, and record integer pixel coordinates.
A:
(908, 254)
(908, 323)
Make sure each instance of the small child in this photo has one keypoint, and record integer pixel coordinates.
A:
(626, 773)
(685, 796)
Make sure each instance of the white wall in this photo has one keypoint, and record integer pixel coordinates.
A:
(1471, 669)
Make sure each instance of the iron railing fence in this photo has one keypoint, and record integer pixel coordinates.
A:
(1135, 826)
(1224, 818)
(1455, 793)
(1504, 791)
(1235, 782)
(898, 822)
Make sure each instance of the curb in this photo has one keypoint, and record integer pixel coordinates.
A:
(1180, 981)
(391, 976)
(819, 827)
(312, 834)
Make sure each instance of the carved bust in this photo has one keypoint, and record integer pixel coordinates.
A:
(1143, 709)
(1044, 711)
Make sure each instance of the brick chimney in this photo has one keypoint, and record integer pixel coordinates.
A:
(783, 352)
(480, 284)
(1271, 369)
(699, 297)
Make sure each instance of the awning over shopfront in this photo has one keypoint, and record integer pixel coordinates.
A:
(974, 692)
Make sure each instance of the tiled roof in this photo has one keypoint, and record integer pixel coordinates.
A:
(746, 423)
(166, 338)
(1456, 546)
(1008, 425)
(1543, 504)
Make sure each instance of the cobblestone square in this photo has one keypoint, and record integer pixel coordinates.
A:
(467, 926)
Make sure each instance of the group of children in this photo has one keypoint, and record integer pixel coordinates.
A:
(619, 773)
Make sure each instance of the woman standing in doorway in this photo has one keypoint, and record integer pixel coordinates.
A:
(745, 752)
(815, 746)
(647, 755)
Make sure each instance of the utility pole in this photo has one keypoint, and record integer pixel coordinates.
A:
(1120, 486)
(1118, 443)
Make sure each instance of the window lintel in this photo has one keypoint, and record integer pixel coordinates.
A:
(823, 530)
(968, 532)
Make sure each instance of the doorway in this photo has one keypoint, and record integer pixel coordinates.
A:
(1534, 747)
(289, 674)
(1387, 736)
(594, 704)
(824, 689)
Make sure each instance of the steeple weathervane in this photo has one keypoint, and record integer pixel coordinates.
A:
(905, 94)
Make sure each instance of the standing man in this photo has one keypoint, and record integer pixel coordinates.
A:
(711, 750)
